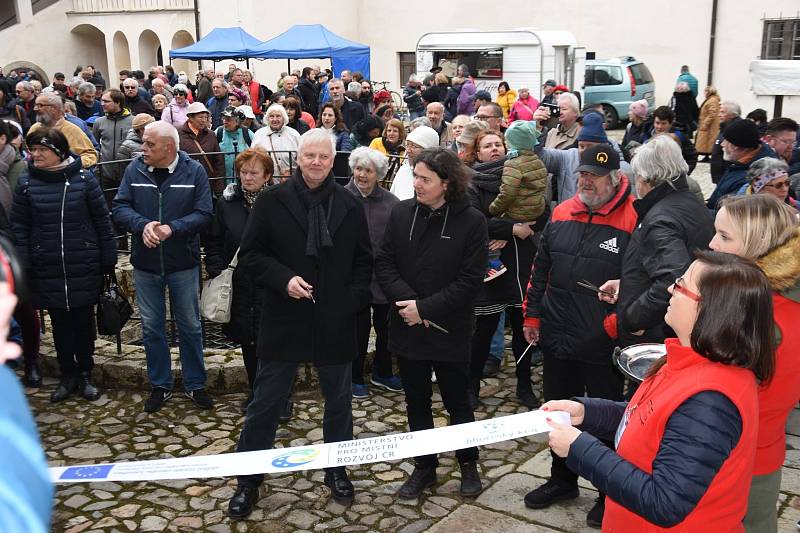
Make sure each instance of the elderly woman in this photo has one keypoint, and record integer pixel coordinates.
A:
(708, 122)
(458, 123)
(638, 129)
(254, 168)
(769, 175)
(279, 140)
(764, 229)
(663, 470)
(159, 102)
(175, 112)
(233, 139)
(368, 167)
(197, 140)
(684, 105)
(330, 118)
(63, 235)
(237, 97)
(524, 107)
(295, 112)
(430, 265)
(487, 156)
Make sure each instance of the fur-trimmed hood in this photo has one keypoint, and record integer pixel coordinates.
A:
(782, 267)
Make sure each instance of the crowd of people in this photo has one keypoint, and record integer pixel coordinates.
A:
(479, 213)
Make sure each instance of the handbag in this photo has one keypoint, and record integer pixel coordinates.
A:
(215, 300)
(113, 308)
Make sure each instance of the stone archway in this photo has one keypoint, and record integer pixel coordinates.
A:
(92, 42)
(122, 52)
(149, 50)
(179, 40)
(29, 65)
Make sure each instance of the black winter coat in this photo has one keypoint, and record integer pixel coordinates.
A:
(352, 112)
(222, 240)
(62, 231)
(309, 93)
(437, 258)
(672, 225)
(273, 252)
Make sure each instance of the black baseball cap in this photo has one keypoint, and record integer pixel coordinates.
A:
(599, 160)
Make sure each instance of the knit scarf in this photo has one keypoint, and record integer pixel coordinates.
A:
(250, 197)
(312, 199)
(392, 148)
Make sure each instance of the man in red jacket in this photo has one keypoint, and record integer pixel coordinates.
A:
(584, 241)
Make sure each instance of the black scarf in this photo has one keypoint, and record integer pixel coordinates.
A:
(392, 148)
(312, 200)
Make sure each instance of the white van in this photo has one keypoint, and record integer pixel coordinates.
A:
(523, 57)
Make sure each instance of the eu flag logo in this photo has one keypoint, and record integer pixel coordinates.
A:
(87, 472)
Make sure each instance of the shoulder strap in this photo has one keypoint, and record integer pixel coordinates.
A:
(246, 135)
(218, 132)
(203, 153)
(235, 260)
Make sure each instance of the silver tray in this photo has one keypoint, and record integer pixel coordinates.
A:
(635, 360)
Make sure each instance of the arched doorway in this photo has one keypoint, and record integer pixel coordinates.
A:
(92, 43)
(179, 40)
(122, 53)
(149, 50)
(18, 66)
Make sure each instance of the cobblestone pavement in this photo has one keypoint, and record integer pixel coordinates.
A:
(115, 428)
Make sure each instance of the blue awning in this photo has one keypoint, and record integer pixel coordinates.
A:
(219, 44)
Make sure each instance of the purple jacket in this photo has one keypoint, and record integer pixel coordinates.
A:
(468, 90)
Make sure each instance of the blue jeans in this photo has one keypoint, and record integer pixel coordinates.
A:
(498, 346)
(183, 288)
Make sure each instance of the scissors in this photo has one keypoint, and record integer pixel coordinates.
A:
(594, 288)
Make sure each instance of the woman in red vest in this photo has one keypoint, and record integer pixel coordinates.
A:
(686, 441)
(764, 229)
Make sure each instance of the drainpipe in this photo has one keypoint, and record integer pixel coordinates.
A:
(197, 29)
(711, 40)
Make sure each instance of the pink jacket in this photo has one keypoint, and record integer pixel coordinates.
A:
(523, 109)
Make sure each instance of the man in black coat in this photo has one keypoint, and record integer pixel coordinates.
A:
(352, 112)
(307, 242)
(309, 91)
(672, 224)
(133, 101)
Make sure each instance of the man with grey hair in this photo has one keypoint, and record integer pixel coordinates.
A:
(164, 201)
(352, 112)
(729, 112)
(672, 225)
(87, 103)
(584, 240)
(565, 134)
(26, 98)
(307, 243)
(435, 113)
(50, 112)
(218, 102)
(290, 89)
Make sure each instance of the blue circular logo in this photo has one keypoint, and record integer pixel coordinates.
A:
(295, 458)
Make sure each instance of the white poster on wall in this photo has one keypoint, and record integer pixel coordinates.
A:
(775, 77)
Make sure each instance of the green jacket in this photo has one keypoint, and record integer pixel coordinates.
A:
(522, 189)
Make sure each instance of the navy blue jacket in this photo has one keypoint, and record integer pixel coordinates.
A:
(63, 235)
(734, 177)
(183, 201)
(693, 448)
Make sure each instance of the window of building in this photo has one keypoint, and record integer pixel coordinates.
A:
(481, 64)
(781, 39)
(408, 65)
(8, 13)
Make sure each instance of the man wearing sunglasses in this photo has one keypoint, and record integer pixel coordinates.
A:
(134, 102)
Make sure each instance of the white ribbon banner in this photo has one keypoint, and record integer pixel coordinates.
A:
(317, 456)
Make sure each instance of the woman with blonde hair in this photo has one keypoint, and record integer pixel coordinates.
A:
(708, 122)
(763, 229)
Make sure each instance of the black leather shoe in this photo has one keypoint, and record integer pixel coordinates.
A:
(242, 502)
(33, 375)
(491, 368)
(526, 396)
(67, 385)
(549, 493)
(420, 479)
(86, 388)
(341, 489)
(470, 480)
(286, 413)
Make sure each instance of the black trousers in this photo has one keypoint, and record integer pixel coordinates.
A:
(485, 326)
(564, 379)
(273, 384)
(382, 364)
(28, 320)
(519, 345)
(250, 357)
(73, 336)
(453, 381)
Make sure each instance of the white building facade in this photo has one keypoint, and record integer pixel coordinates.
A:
(117, 34)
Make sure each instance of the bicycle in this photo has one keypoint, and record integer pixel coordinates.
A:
(397, 98)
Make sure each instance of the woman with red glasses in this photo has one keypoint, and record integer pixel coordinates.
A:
(685, 442)
(769, 175)
(764, 229)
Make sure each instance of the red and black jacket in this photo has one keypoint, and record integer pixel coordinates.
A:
(578, 245)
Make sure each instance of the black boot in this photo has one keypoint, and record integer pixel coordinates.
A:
(33, 375)
(87, 389)
(67, 385)
(470, 480)
(525, 394)
(420, 479)
(242, 502)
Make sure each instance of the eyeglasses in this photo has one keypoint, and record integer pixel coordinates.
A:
(130, 87)
(178, 93)
(679, 286)
(779, 185)
(485, 117)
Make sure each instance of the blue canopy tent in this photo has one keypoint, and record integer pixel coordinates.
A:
(219, 44)
(315, 41)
